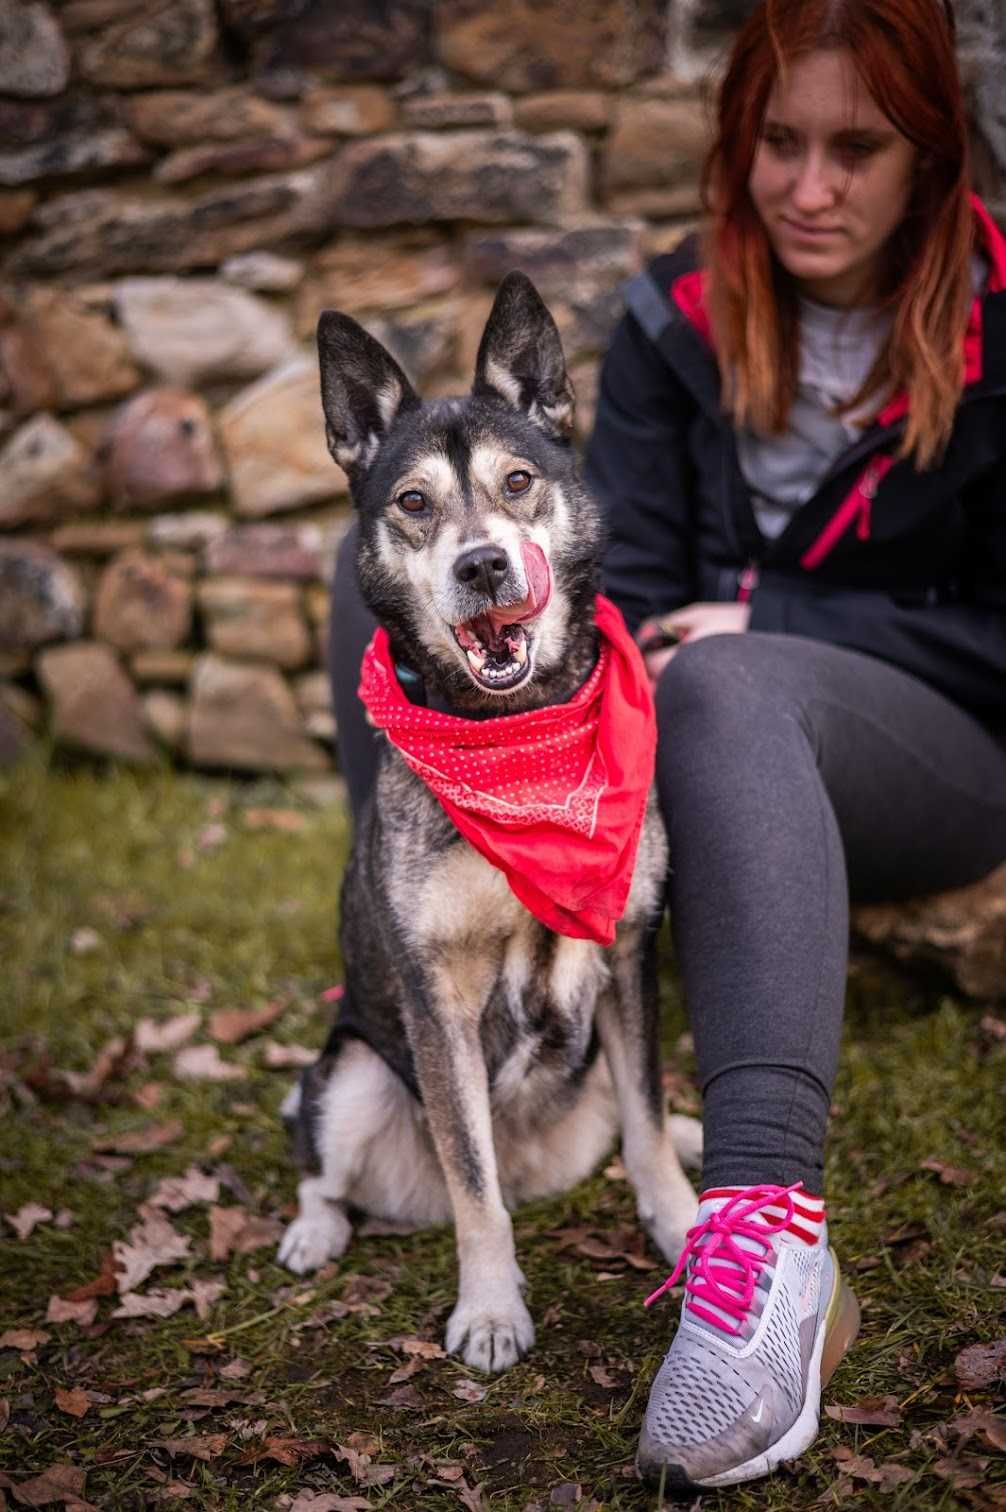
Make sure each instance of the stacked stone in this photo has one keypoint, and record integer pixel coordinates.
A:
(184, 185)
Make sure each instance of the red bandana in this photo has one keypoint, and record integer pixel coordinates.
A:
(556, 794)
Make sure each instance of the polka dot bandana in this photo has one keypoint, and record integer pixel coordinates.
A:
(554, 797)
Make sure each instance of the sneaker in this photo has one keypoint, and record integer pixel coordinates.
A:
(765, 1320)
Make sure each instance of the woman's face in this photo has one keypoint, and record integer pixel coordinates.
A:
(831, 178)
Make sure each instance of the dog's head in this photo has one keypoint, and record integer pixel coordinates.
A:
(478, 544)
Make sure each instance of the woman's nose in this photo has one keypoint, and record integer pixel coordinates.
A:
(815, 185)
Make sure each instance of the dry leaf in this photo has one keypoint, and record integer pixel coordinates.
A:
(288, 820)
(950, 1175)
(981, 1364)
(602, 1376)
(568, 1495)
(75, 1401)
(206, 1446)
(62, 1310)
(65, 1218)
(26, 1218)
(88, 1084)
(285, 1451)
(426, 1349)
(176, 1193)
(143, 1140)
(229, 1026)
(152, 1243)
(278, 1057)
(103, 1284)
(203, 1063)
(155, 1035)
(964, 1474)
(234, 1370)
(881, 1411)
(148, 1097)
(152, 1304)
(327, 1501)
(234, 1230)
(407, 1371)
(468, 1390)
(24, 1338)
(60, 1483)
(470, 1496)
(991, 1427)
(404, 1396)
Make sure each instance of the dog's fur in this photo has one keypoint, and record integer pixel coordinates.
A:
(481, 1059)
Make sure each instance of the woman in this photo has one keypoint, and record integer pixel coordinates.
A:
(800, 445)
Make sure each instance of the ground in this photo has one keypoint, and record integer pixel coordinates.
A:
(138, 911)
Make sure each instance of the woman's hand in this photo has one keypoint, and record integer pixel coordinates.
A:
(667, 633)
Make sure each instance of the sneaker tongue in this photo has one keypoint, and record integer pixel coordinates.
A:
(707, 1208)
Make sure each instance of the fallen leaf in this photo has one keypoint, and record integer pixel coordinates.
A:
(287, 820)
(468, 1390)
(404, 1396)
(950, 1175)
(24, 1338)
(426, 1349)
(964, 1474)
(60, 1483)
(328, 1501)
(154, 1035)
(470, 1496)
(991, 1427)
(602, 1376)
(143, 1140)
(65, 1218)
(233, 1230)
(881, 1411)
(62, 1310)
(152, 1243)
(407, 1371)
(567, 1495)
(981, 1364)
(229, 1026)
(278, 1057)
(88, 1084)
(205, 1446)
(27, 1217)
(148, 1097)
(103, 1284)
(75, 1401)
(285, 1451)
(152, 1304)
(176, 1193)
(862, 1467)
(203, 1063)
(234, 1370)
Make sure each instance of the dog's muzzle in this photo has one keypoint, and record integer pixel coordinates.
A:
(497, 641)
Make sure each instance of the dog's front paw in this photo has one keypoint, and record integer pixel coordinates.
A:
(490, 1338)
(315, 1238)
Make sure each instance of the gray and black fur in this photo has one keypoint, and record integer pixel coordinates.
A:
(480, 1060)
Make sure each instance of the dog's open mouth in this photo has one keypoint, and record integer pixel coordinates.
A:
(497, 643)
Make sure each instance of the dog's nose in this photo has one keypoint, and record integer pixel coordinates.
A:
(483, 567)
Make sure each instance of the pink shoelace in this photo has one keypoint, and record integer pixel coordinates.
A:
(713, 1243)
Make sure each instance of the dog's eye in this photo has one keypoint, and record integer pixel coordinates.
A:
(518, 482)
(412, 500)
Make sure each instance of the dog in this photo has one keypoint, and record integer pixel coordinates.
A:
(481, 1057)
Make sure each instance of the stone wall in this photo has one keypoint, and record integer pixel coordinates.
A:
(183, 186)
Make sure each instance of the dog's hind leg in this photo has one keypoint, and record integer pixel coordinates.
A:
(341, 1109)
(628, 1023)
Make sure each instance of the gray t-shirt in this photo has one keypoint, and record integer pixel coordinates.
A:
(837, 350)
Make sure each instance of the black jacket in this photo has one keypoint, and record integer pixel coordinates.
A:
(902, 565)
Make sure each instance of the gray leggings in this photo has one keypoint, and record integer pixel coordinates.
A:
(790, 772)
(793, 773)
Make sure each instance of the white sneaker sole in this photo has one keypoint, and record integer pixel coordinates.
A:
(835, 1337)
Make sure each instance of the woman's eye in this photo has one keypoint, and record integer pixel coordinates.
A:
(779, 142)
(518, 482)
(858, 151)
(412, 500)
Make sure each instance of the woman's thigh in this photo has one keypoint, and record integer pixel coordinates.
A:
(916, 784)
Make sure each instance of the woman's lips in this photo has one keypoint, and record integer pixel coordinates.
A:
(810, 233)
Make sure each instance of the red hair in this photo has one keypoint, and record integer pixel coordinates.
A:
(904, 52)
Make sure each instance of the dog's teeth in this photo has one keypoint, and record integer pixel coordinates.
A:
(520, 653)
(476, 658)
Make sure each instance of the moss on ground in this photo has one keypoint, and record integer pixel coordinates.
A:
(190, 908)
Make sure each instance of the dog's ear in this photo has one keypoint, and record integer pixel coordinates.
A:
(363, 390)
(520, 358)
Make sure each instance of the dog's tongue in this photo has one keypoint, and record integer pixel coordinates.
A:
(539, 582)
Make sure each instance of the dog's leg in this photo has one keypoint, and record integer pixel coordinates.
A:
(628, 1023)
(490, 1326)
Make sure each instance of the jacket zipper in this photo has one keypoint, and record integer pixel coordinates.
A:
(856, 509)
(747, 582)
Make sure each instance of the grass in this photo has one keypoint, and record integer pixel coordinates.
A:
(189, 908)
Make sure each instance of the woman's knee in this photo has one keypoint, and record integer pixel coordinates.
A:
(721, 677)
